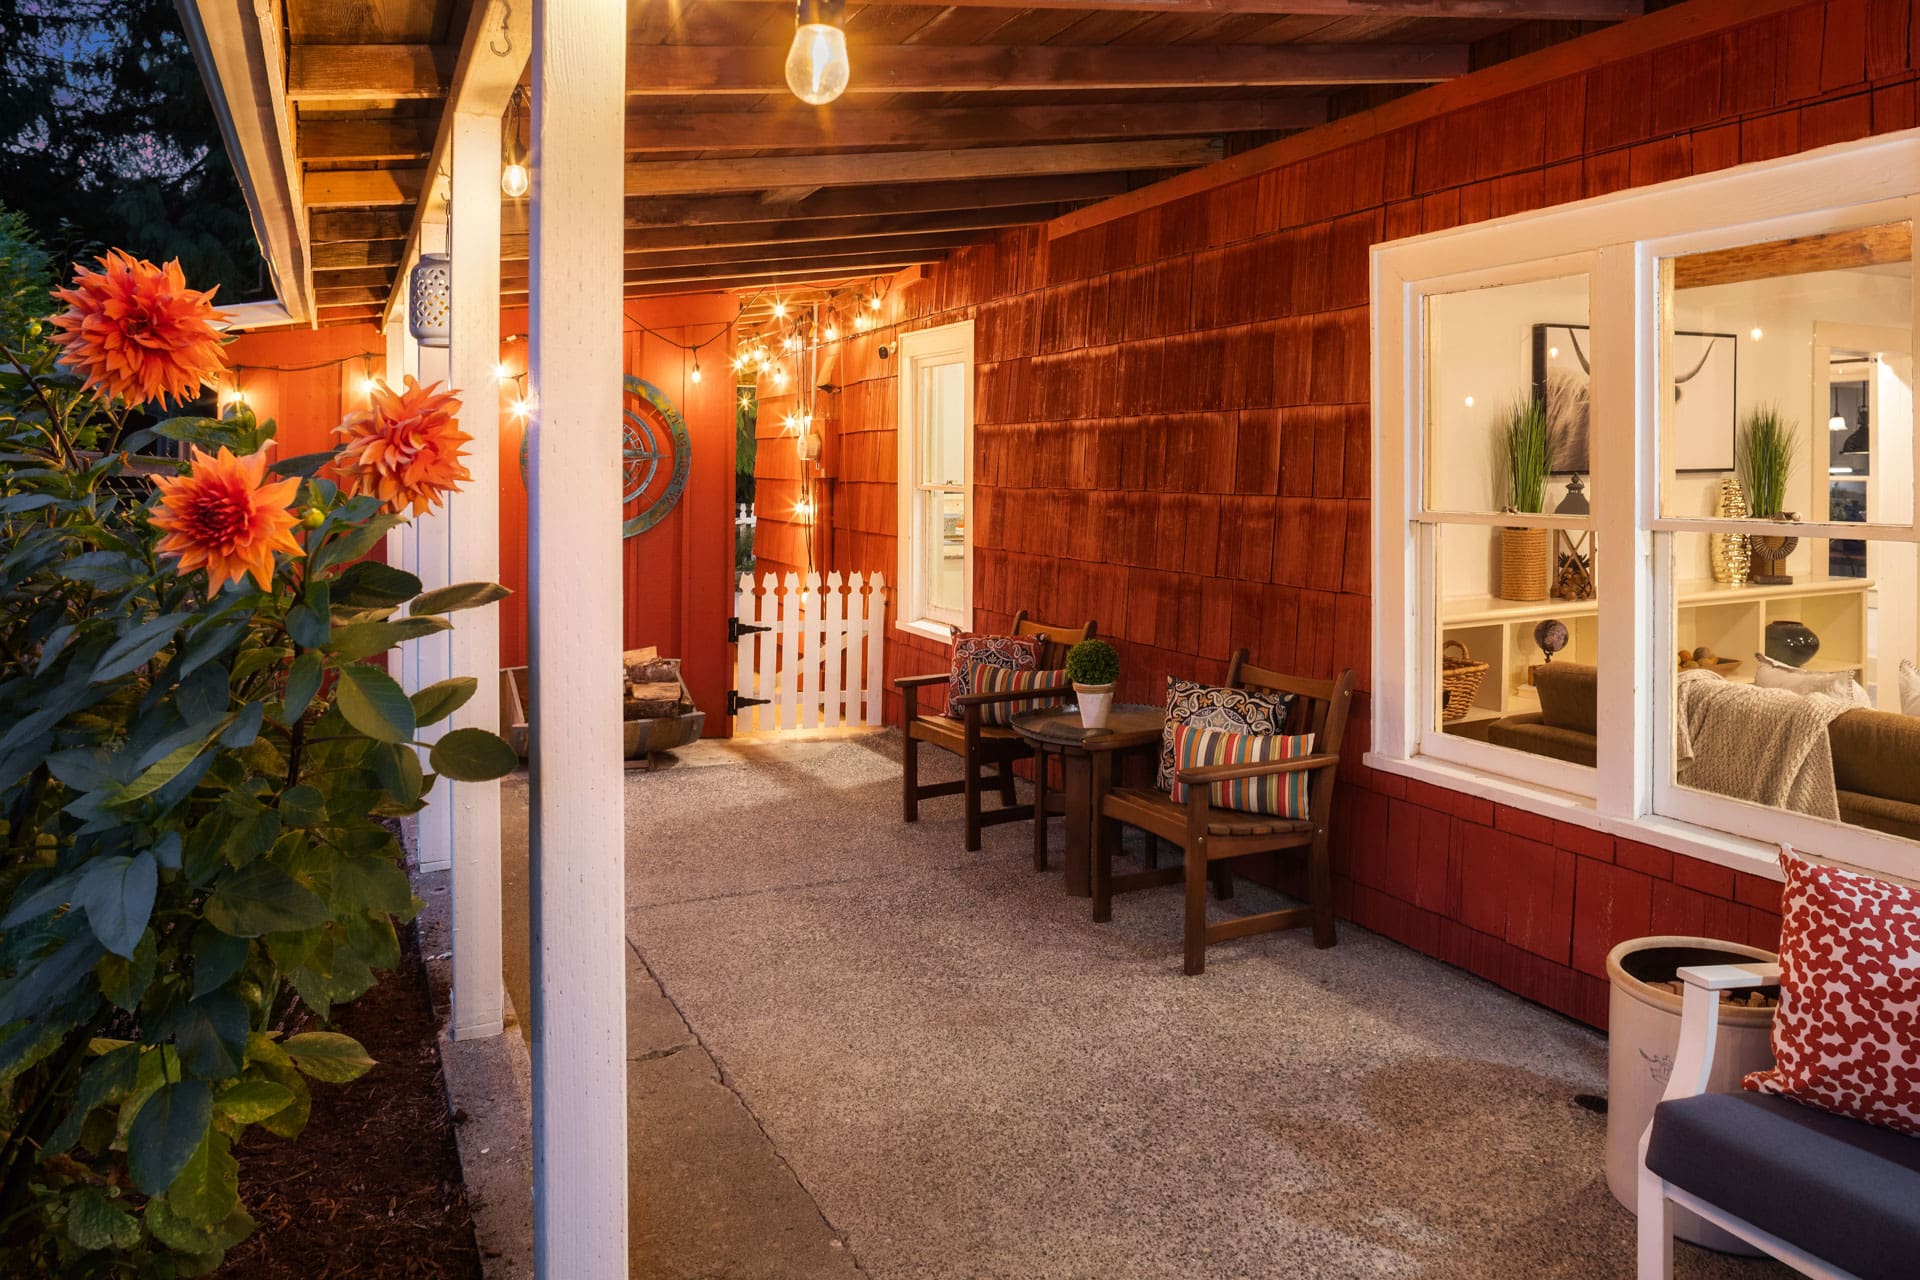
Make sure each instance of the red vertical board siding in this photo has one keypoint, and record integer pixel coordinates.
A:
(1173, 438)
(678, 575)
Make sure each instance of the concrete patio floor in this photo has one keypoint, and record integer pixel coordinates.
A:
(857, 1050)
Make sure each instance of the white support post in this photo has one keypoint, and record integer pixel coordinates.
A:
(470, 550)
(400, 348)
(428, 660)
(578, 821)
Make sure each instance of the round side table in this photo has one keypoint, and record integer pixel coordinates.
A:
(1086, 758)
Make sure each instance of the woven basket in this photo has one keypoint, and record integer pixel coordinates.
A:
(1523, 564)
(1459, 680)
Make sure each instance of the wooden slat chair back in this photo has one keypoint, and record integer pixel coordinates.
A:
(978, 744)
(1210, 837)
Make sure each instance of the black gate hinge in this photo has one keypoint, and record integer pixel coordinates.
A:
(737, 628)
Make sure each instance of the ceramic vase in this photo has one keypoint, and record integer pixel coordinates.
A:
(1791, 642)
(1731, 555)
(1095, 700)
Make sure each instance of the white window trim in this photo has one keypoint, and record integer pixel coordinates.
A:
(1624, 236)
(917, 347)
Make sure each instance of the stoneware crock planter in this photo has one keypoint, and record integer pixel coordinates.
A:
(1094, 700)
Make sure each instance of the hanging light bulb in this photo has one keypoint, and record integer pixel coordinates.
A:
(779, 311)
(779, 375)
(695, 375)
(833, 332)
(515, 181)
(817, 67)
(501, 373)
(791, 342)
(860, 322)
(874, 301)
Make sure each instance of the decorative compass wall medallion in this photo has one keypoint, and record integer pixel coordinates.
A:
(656, 455)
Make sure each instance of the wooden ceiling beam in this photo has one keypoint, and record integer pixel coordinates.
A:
(343, 297)
(681, 70)
(348, 254)
(748, 279)
(349, 277)
(1509, 10)
(842, 264)
(839, 169)
(802, 127)
(932, 244)
(339, 226)
(381, 141)
(513, 247)
(337, 188)
(368, 72)
(845, 202)
(1802, 255)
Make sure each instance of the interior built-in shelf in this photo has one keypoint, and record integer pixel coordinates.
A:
(1729, 620)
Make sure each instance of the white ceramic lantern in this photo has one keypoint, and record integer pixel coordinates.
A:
(430, 298)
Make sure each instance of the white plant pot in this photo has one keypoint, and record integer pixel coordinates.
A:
(1094, 701)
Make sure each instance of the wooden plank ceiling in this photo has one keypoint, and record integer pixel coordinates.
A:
(961, 118)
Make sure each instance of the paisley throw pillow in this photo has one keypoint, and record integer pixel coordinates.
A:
(1009, 653)
(1210, 706)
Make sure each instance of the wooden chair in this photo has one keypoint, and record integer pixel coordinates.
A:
(1211, 836)
(979, 745)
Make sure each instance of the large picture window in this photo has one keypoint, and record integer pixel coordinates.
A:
(1647, 556)
(936, 479)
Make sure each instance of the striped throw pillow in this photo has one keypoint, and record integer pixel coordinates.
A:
(1284, 795)
(986, 678)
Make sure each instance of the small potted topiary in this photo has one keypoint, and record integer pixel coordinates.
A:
(1093, 666)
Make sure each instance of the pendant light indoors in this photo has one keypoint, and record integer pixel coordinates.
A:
(817, 67)
(515, 181)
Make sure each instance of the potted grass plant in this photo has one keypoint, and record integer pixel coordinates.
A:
(1524, 447)
(1768, 441)
(1093, 666)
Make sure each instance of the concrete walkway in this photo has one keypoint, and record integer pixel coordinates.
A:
(857, 1050)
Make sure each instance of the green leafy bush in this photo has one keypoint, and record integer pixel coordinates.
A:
(196, 783)
(1093, 662)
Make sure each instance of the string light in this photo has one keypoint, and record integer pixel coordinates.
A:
(790, 343)
(804, 509)
(817, 69)
(779, 311)
(366, 386)
(780, 376)
(833, 332)
(874, 302)
(695, 375)
(520, 408)
(501, 373)
(515, 181)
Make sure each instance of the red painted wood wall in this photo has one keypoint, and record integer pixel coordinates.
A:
(677, 576)
(1172, 437)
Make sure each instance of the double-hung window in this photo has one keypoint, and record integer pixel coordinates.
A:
(1645, 510)
(936, 479)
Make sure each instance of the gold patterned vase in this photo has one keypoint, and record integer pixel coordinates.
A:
(1732, 553)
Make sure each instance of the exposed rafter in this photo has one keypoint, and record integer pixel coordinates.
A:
(801, 127)
(1511, 10)
(681, 70)
(840, 169)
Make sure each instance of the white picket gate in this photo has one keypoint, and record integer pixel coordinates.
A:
(818, 664)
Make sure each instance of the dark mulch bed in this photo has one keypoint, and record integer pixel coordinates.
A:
(372, 1188)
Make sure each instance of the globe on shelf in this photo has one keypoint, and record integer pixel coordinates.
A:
(1551, 636)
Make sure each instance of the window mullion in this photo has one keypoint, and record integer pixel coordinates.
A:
(1624, 328)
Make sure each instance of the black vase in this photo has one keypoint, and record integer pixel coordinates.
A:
(1793, 643)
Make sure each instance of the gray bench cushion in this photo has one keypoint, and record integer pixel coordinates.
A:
(1844, 1191)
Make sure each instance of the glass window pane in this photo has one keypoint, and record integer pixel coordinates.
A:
(1516, 665)
(1790, 375)
(1507, 364)
(942, 406)
(1803, 709)
(943, 539)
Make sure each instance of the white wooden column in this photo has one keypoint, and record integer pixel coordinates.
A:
(468, 544)
(430, 659)
(573, 556)
(400, 359)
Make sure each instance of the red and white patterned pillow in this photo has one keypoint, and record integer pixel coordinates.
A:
(1846, 1037)
(1009, 653)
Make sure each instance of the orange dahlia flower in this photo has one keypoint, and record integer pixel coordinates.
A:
(136, 331)
(404, 448)
(223, 514)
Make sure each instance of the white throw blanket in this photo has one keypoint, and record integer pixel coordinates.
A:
(1768, 746)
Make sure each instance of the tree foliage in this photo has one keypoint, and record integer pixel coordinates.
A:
(109, 139)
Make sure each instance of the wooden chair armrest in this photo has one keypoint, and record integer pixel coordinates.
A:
(1700, 1019)
(1013, 695)
(1208, 774)
(920, 682)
